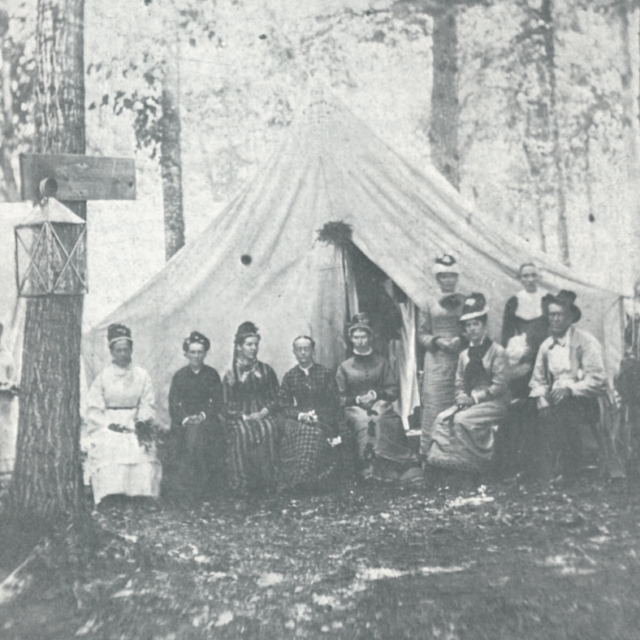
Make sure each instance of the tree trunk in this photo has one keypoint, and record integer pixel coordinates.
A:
(549, 32)
(444, 96)
(170, 156)
(47, 478)
(9, 187)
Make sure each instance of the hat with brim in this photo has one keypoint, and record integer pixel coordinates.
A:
(566, 299)
(360, 321)
(446, 264)
(475, 306)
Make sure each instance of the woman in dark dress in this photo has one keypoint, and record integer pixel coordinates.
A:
(250, 392)
(524, 329)
(368, 386)
(195, 404)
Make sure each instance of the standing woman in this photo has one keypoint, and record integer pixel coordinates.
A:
(463, 435)
(440, 331)
(8, 422)
(524, 329)
(122, 456)
(250, 392)
(368, 386)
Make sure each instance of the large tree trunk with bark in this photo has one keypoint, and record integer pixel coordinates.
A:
(445, 107)
(47, 478)
(9, 187)
(170, 155)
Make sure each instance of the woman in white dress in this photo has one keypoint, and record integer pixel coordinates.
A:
(122, 456)
(8, 413)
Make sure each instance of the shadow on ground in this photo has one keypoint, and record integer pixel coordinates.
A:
(507, 562)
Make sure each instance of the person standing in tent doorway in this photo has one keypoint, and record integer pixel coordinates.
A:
(568, 382)
(310, 404)
(250, 391)
(122, 456)
(8, 391)
(463, 435)
(368, 386)
(524, 328)
(440, 333)
(195, 405)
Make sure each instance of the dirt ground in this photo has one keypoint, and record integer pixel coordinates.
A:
(503, 562)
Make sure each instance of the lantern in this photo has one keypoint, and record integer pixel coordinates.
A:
(51, 251)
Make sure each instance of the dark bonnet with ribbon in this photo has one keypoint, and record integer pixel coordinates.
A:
(195, 337)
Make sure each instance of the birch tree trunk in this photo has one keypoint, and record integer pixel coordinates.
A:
(46, 484)
(9, 186)
(549, 37)
(445, 106)
(170, 154)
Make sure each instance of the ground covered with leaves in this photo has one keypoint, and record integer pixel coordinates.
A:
(506, 561)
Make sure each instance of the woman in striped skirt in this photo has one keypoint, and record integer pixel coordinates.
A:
(250, 402)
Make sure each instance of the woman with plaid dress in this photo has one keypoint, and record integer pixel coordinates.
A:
(309, 402)
(250, 391)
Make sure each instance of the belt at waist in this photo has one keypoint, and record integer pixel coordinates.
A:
(120, 408)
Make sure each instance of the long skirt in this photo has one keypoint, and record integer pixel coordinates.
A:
(252, 454)
(142, 479)
(464, 439)
(194, 461)
(438, 391)
(383, 446)
(306, 457)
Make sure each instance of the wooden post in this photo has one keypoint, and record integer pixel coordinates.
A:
(46, 483)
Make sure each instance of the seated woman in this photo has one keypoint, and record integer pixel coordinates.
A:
(122, 457)
(250, 391)
(463, 435)
(310, 404)
(195, 403)
(368, 386)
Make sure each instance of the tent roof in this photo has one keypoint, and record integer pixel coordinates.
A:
(260, 259)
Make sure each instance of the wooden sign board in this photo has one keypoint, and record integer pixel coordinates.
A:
(79, 177)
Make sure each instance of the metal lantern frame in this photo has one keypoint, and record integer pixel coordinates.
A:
(48, 218)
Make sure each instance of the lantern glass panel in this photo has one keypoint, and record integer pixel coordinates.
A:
(51, 259)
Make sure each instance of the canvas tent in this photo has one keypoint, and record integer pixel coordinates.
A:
(261, 260)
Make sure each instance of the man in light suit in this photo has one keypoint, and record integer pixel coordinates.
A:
(568, 381)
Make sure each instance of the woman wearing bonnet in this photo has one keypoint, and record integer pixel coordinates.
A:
(122, 456)
(440, 333)
(250, 392)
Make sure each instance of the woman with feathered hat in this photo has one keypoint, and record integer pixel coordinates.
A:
(250, 391)
(368, 386)
(122, 456)
(440, 333)
(463, 435)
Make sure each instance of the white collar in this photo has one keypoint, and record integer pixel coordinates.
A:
(306, 370)
(529, 304)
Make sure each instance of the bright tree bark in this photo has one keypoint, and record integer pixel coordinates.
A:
(170, 155)
(549, 37)
(9, 186)
(445, 107)
(47, 478)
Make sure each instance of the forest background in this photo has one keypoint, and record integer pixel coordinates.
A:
(529, 107)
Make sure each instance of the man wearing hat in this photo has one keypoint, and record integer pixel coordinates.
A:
(195, 402)
(568, 379)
